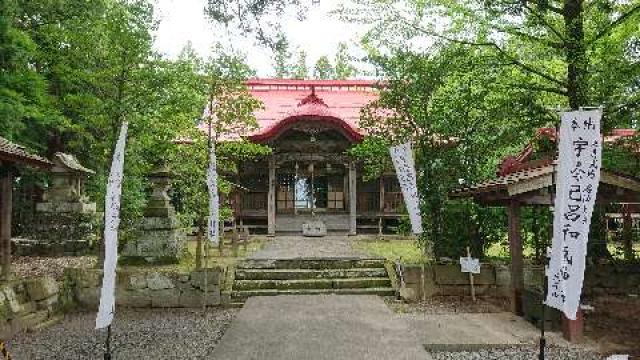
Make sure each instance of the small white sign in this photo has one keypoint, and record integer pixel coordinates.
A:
(618, 357)
(470, 265)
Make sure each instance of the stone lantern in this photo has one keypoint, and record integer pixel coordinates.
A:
(159, 239)
(65, 221)
(159, 205)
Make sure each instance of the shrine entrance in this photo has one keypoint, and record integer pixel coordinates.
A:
(311, 187)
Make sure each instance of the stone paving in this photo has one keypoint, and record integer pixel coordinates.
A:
(292, 247)
(319, 327)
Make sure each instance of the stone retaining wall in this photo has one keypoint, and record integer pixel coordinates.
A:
(495, 280)
(148, 288)
(29, 304)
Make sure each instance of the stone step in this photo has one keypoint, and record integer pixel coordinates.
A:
(301, 274)
(243, 295)
(311, 263)
(353, 283)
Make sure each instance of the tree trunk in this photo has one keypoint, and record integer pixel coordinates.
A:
(575, 54)
(6, 201)
(627, 233)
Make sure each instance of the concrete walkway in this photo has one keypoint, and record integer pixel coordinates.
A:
(320, 327)
(294, 247)
(472, 331)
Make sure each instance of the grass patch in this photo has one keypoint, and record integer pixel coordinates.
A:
(392, 250)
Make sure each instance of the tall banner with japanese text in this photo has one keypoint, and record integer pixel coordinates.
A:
(577, 179)
(214, 200)
(402, 157)
(111, 224)
(213, 227)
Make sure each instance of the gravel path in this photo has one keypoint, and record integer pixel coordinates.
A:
(138, 334)
(518, 353)
(32, 266)
(449, 305)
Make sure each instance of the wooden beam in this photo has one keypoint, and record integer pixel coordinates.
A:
(381, 205)
(6, 183)
(515, 250)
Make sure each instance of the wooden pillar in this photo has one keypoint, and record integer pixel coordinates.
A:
(515, 249)
(381, 194)
(271, 198)
(381, 206)
(352, 198)
(6, 182)
(627, 233)
(573, 330)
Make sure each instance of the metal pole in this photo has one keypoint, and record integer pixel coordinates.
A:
(545, 279)
(107, 352)
(473, 288)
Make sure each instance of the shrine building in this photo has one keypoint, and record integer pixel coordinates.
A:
(310, 124)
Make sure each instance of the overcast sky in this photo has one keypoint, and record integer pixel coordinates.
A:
(183, 20)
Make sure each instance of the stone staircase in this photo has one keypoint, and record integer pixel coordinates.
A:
(310, 276)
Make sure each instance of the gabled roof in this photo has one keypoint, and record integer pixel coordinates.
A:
(14, 153)
(539, 179)
(67, 162)
(518, 175)
(336, 102)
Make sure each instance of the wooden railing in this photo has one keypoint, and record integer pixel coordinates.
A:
(254, 201)
(369, 202)
(393, 202)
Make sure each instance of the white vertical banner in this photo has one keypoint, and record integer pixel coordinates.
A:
(214, 199)
(213, 227)
(577, 179)
(111, 223)
(402, 157)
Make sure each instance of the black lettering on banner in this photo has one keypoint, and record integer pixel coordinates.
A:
(575, 193)
(579, 146)
(574, 124)
(572, 214)
(573, 235)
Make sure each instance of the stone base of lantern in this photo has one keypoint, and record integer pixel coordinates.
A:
(60, 229)
(159, 241)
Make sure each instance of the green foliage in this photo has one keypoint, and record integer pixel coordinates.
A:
(261, 18)
(344, 68)
(301, 71)
(233, 107)
(323, 69)
(281, 57)
(76, 69)
(23, 98)
(578, 52)
(453, 107)
(623, 156)
(373, 153)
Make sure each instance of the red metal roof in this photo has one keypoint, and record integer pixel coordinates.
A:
(337, 102)
(522, 161)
